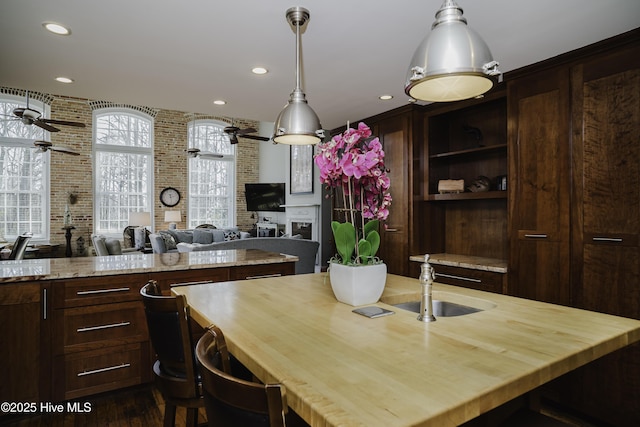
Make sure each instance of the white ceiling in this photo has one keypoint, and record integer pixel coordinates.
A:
(181, 55)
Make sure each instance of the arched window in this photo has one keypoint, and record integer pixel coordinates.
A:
(24, 172)
(212, 192)
(123, 167)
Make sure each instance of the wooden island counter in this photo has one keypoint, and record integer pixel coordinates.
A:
(76, 326)
(343, 369)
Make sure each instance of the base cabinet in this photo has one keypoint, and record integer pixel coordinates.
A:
(24, 328)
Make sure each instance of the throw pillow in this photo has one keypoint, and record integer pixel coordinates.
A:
(231, 235)
(218, 235)
(181, 236)
(202, 236)
(169, 241)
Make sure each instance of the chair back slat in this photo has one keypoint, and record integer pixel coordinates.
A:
(231, 401)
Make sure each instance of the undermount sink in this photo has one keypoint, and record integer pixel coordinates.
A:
(440, 308)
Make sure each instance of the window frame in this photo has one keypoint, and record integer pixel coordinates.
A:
(230, 158)
(125, 149)
(27, 144)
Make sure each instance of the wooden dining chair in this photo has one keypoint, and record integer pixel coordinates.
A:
(231, 401)
(175, 370)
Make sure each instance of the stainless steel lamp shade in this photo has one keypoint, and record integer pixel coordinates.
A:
(297, 123)
(452, 62)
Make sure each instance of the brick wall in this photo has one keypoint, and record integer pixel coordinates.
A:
(73, 174)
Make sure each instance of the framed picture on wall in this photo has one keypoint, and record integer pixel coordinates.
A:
(301, 169)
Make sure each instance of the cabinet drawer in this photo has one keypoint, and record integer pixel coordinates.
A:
(167, 279)
(86, 328)
(258, 271)
(469, 278)
(98, 290)
(85, 373)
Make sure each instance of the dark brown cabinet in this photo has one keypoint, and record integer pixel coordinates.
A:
(24, 327)
(539, 186)
(606, 222)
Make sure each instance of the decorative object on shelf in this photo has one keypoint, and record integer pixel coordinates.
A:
(170, 197)
(297, 123)
(452, 62)
(450, 186)
(172, 217)
(353, 164)
(477, 134)
(301, 169)
(479, 185)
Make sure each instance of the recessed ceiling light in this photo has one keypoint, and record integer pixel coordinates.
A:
(64, 80)
(56, 28)
(386, 97)
(219, 102)
(259, 70)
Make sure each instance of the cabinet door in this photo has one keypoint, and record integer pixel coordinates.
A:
(395, 135)
(606, 227)
(607, 110)
(25, 357)
(539, 197)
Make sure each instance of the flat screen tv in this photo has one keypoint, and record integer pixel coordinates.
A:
(265, 197)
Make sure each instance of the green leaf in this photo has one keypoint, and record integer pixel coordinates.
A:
(374, 240)
(345, 237)
(364, 249)
(370, 226)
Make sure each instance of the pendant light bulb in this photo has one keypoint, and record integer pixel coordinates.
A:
(452, 62)
(297, 123)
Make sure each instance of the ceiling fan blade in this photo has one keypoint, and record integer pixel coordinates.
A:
(204, 155)
(45, 126)
(64, 150)
(63, 122)
(241, 132)
(256, 137)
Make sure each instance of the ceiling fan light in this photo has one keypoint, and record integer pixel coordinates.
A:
(297, 123)
(452, 63)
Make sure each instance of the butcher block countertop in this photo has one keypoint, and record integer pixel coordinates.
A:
(343, 369)
(130, 263)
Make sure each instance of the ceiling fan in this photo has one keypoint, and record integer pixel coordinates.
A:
(29, 116)
(196, 152)
(44, 146)
(234, 132)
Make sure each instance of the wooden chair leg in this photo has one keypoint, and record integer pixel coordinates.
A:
(192, 417)
(169, 415)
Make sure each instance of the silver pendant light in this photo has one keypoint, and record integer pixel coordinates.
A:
(297, 123)
(452, 62)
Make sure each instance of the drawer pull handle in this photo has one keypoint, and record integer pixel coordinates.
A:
(451, 276)
(97, 328)
(607, 239)
(263, 276)
(102, 291)
(390, 230)
(110, 368)
(535, 236)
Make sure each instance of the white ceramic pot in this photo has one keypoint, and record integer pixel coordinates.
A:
(357, 285)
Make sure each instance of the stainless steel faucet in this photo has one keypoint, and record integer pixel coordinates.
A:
(427, 276)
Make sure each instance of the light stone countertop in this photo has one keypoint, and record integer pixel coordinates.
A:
(465, 261)
(65, 268)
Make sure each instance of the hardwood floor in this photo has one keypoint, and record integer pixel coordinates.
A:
(140, 406)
